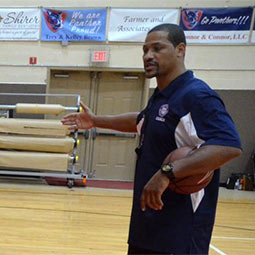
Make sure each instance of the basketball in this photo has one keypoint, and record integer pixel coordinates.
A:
(190, 184)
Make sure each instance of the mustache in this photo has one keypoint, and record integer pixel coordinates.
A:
(150, 63)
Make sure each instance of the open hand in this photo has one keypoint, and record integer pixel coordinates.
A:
(80, 120)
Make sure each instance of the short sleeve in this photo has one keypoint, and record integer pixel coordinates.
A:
(212, 122)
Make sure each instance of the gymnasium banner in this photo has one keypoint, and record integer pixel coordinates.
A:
(221, 25)
(73, 25)
(132, 25)
(19, 24)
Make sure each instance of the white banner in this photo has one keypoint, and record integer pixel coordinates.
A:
(19, 24)
(218, 37)
(132, 25)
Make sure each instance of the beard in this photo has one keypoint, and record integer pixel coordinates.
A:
(151, 71)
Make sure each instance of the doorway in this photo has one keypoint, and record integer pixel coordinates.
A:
(104, 154)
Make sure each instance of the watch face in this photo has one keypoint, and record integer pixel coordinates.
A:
(168, 171)
(166, 168)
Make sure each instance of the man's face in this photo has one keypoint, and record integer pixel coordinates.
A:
(160, 56)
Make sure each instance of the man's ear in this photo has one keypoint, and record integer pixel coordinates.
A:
(181, 49)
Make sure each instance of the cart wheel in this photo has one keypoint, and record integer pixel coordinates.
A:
(70, 183)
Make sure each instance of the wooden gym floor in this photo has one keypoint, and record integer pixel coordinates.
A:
(39, 219)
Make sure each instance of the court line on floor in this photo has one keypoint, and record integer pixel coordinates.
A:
(234, 238)
(61, 210)
(232, 227)
(217, 250)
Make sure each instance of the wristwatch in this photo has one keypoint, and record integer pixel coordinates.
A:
(167, 169)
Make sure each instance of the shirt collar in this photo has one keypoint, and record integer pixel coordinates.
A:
(176, 83)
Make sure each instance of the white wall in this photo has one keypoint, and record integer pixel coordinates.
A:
(22, 75)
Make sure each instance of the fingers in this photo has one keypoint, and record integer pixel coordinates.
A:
(79, 120)
(156, 202)
(71, 117)
(70, 121)
(71, 125)
(152, 199)
(153, 190)
(83, 106)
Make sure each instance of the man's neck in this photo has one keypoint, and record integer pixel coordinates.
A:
(164, 81)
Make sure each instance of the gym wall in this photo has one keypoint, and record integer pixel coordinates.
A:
(227, 68)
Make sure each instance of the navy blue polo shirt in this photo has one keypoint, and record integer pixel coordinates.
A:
(186, 113)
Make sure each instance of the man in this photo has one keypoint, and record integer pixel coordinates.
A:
(182, 111)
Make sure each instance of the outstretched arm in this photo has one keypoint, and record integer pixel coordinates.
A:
(86, 119)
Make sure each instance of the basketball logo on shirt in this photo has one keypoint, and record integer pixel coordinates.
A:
(163, 110)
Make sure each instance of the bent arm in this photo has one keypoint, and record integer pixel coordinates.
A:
(206, 158)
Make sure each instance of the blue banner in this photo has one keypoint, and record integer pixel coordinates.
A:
(216, 19)
(221, 25)
(73, 25)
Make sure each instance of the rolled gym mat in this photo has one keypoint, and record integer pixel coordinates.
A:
(45, 144)
(34, 160)
(39, 108)
(52, 128)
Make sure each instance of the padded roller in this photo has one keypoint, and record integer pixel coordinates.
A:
(40, 108)
(52, 128)
(35, 160)
(24, 143)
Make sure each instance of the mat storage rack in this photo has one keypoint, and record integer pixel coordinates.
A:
(33, 141)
